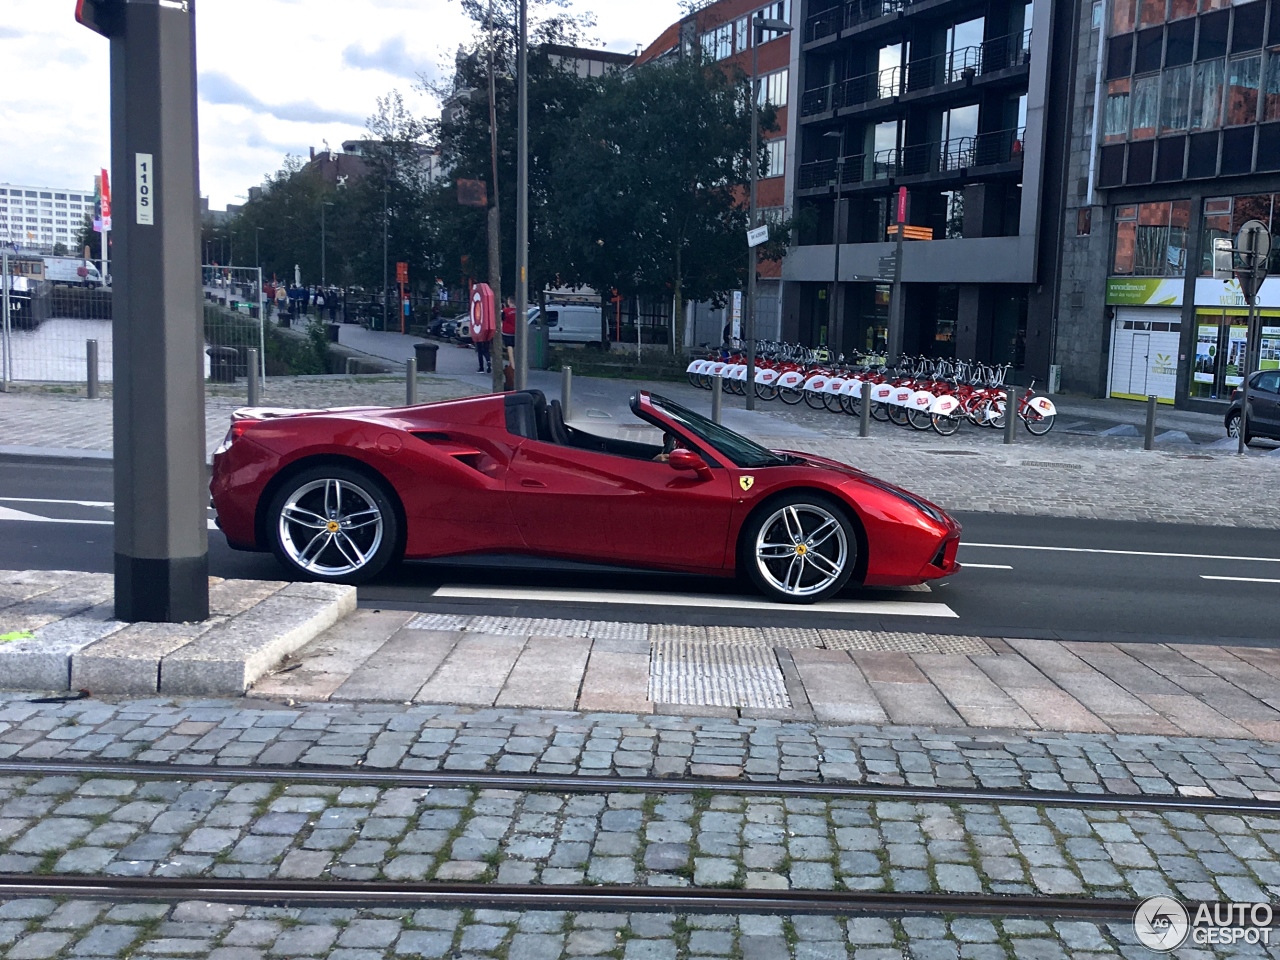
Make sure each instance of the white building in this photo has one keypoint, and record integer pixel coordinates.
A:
(36, 218)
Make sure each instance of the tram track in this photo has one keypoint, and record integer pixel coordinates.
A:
(591, 784)
(579, 898)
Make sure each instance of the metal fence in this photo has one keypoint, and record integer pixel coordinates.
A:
(53, 327)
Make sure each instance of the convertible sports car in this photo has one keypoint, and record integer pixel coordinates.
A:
(338, 495)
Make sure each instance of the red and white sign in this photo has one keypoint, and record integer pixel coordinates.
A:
(106, 201)
(483, 313)
(902, 204)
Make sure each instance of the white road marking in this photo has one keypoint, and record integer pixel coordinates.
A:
(1239, 579)
(7, 513)
(984, 566)
(75, 503)
(1122, 553)
(904, 608)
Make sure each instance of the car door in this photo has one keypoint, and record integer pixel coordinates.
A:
(586, 505)
(1264, 403)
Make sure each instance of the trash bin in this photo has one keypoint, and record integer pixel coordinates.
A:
(284, 318)
(426, 353)
(253, 313)
(538, 346)
(333, 329)
(222, 364)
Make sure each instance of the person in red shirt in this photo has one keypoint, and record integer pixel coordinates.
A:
(509, 323)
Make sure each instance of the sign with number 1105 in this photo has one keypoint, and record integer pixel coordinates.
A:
(146, 199)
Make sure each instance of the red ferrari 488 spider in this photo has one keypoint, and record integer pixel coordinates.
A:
(338, 495)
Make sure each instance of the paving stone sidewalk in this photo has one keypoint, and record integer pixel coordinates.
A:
(793, 674)
(40, 929)
(423, 737)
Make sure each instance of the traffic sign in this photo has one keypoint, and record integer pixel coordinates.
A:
(1255, 240)
(758, 236)
(402, 273)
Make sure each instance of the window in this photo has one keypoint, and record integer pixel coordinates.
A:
(1175, 100)
(777, 158)
(773, 88)
(1151, 239)
(59, 196)
(43, 196)
(718, 43)
(1115, 123)
(1181, 8)
(1242, 90)
(1146, 94)
(76, 197)
(1152, 12)
(1271, 97)
(1123, 15)
(1206, 96)
(741, 34)
(1098, 9)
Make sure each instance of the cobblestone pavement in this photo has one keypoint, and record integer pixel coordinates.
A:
(38, 929)
(789, 673)
(428, 737)
(260, 830)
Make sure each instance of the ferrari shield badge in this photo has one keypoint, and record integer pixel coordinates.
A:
(746, 483)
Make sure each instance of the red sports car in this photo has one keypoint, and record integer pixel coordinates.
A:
(338, 495)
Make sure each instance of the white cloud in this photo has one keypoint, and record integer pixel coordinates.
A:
(276, 76)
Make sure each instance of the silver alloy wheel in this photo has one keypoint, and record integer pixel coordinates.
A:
(1233, 427)
(331, 528)
(802, 549)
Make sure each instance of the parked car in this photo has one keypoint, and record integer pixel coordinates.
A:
(339, 495)
(570, 323)
(1264, 408)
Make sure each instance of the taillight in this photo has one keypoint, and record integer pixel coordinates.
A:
(238, 429)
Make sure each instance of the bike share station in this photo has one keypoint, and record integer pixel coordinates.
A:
(1246, 263)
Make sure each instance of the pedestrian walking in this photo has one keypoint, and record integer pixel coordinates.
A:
(319, 300)
(331, 299)
(282, 300)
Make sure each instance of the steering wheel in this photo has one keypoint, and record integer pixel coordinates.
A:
(669, 443)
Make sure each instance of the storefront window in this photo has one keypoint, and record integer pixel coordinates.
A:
(1206, 95)
(1271, 98)
(1242, 90)
(1146, 96)
(1115, 124)
(1175, 102)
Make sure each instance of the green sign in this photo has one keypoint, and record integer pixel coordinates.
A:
(1144, 292)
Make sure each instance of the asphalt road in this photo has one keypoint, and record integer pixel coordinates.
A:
(1023, 576)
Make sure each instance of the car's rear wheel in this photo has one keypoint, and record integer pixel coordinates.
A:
(800, 549)
(1233, 428)
(334, 524)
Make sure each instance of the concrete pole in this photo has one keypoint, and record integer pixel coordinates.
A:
(1149, 438)
(251, 377)
(6, 367)
(566, 391)
(1010, 415)
(717, 397)
(161, 487)
(864, 414)
(522, 204)
(411, 383)
(91, 373)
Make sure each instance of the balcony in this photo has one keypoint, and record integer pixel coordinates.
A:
(829, 22)
(945, 158)
(964, 65)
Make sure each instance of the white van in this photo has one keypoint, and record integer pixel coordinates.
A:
(570, 323)
(67, 270)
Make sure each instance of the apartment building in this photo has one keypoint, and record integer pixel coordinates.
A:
(37, 218)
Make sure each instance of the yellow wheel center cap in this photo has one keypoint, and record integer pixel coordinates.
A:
(801, 549)
(333, 526)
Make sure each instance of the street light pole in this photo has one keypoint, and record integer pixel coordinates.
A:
(761, 25)
(522, 205)
(324, 272)
(386, 280)
(835, 321)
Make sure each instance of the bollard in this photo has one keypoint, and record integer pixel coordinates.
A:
(717, 397)
(1010, 415)
(411, 383)
(566, 392)
(91, 355)
(1149, 439)
(251, 376)
(864, 415)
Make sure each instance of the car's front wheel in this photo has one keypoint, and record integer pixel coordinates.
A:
(800, 548)
(1233, 428)
(334, 524)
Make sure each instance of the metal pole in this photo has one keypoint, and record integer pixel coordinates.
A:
(1251, 261)
(494, 216)
(251, 378)
(864, 415)
(1010, 415)
(91, 374)
(566, 391)
(385, 278)
(753, 258)
(161, 488)
(522, 205)
(1149, 438)
(717, 396)
(324, 272)
(411, 383)
(897, 308)
(6, 367)
(262, 330)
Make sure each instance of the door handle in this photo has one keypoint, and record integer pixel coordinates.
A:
(527, 482)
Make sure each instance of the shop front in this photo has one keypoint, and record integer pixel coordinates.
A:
(1222, 318)
(1145, 336)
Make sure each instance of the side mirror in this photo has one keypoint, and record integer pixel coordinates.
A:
(688, 460)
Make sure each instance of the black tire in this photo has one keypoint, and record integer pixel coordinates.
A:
(851, 404)
(285, 536)
(790, 395)
(814, 399)
(879, 411)
(899, 415)
(766, 391)
(839, 549)
(945, 426)
(1233, 428)
(832, 402)
(919, 419)
(1038, 425)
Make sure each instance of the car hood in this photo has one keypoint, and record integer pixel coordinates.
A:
(861, 476)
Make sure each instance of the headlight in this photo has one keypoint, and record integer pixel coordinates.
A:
(928, 509)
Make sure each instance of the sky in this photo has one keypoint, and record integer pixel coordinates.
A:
(275, 77)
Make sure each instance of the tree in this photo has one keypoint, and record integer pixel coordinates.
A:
(88, 237)
(650, 189)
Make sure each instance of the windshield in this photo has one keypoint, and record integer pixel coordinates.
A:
(741, 451)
